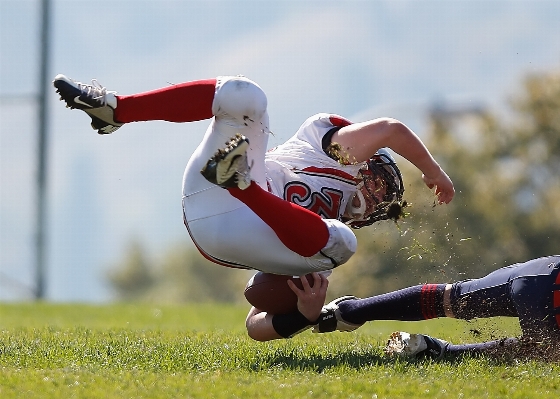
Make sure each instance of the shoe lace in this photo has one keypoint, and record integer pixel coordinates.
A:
(95, 91)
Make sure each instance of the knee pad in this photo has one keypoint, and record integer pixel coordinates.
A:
(239, 101)
(342, 243)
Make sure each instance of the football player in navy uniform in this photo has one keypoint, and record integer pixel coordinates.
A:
(529, 291)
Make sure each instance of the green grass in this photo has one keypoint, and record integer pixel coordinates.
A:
(194, 351)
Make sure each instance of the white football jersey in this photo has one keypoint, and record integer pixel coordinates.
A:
(299, 171)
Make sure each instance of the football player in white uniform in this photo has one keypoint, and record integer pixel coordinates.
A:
(283, 211)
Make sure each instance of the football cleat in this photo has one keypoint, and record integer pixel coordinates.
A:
(415, 345)
(229, 166)
(331, 319)
(93, 99)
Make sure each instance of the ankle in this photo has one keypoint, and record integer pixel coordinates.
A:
(112, 99)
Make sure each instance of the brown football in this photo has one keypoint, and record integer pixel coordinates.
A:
(271, 293)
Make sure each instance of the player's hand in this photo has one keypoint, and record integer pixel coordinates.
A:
(311, 298)
(444, 189)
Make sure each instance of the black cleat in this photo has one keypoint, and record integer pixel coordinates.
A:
(93, 99)
(229, 166)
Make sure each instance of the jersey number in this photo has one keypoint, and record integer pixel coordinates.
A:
(325, 204)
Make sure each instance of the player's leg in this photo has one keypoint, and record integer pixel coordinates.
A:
(240, 109)
(536, 296)
(485, 297)
(497, 293)
(299, 229)
(488, 296)
(424, 346)
(495, 347)
(239, 238)
(224, 229)
(239, 106)
(420, 302)
(185, 102)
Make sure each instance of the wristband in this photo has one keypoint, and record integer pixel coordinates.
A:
(288, 325)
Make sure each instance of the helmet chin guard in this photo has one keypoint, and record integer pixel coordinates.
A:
(384, 166)
(357, 212)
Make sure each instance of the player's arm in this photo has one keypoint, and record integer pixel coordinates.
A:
(361, 140)
(263, 326)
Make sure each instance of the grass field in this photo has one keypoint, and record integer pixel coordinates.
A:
(202, 351)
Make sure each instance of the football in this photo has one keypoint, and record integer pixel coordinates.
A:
(271, 293)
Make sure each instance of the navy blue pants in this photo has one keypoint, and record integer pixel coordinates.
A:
(529, 291)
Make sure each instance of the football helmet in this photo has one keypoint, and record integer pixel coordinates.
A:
(381, 168)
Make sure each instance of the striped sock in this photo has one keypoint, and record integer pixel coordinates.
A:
(415, 303)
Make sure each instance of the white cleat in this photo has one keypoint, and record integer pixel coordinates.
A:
(415, 345)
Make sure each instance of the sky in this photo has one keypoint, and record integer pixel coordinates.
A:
(359, 59)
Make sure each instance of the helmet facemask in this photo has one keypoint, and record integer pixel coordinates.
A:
(383, 167)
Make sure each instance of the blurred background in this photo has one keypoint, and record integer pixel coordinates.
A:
(478, 81)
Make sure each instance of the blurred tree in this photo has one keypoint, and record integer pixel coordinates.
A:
(185, 275)
(182, 275)
(535, 145)
(132, 277)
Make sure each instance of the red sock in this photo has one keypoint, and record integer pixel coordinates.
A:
(184, 102)
(299, 229)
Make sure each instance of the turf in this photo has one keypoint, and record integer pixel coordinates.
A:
(202, 351)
